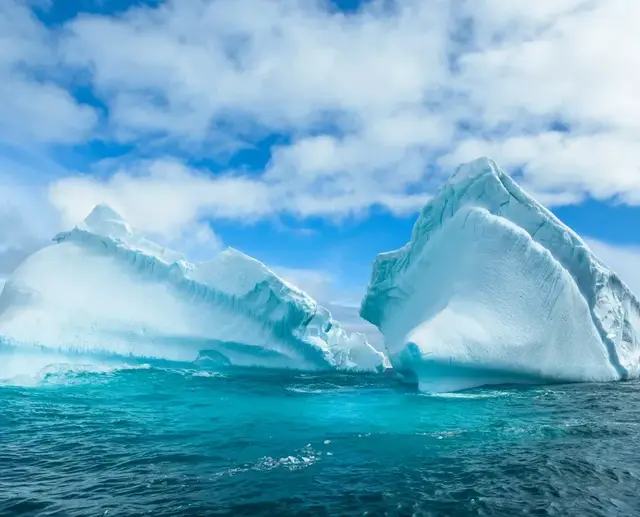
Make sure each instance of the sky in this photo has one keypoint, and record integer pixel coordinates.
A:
(308, 133)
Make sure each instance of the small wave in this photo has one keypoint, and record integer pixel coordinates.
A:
(208, 374)
(303, 389)
(75, 372)
(65, 373)
(37, 368)
(316, 390)
(446, 434)
(289, 462)
(305, 457)
(470, 396)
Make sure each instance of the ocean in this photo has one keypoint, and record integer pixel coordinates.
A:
(173, 440)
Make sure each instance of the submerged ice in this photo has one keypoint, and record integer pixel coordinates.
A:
(102, 287)
(492, 288)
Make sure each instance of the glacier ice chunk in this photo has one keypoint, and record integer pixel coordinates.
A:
(492, 288)
(103, 287)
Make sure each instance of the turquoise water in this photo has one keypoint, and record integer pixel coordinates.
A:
(145, 440)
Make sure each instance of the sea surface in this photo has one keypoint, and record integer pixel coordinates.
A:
(145, 439)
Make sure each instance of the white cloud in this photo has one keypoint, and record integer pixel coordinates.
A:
(575, 59)
(34, 109)
(281, 63)
(160, 196)
(397, 81)
(165, 197)
(183, 71)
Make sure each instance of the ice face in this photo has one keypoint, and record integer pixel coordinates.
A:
(105, 288)
(492, 288)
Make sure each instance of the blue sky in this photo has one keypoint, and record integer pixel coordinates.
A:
(308, 134)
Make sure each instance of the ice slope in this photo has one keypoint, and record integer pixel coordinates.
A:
(492, 288)
(104, 288)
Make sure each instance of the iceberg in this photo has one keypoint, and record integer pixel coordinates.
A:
(493, 289)
(104, 288)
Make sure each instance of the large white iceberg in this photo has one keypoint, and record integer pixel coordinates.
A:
(104, 288)
(492, 288)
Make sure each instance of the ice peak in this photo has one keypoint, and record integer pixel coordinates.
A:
(475, 169)
(104, 220)
(102, 212)
(233, 252)
(247, 271)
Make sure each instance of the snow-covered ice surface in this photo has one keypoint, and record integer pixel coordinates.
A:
(492, 288)
(104, 288)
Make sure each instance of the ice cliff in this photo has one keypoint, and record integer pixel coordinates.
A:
(103, 287)
(492, 288)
